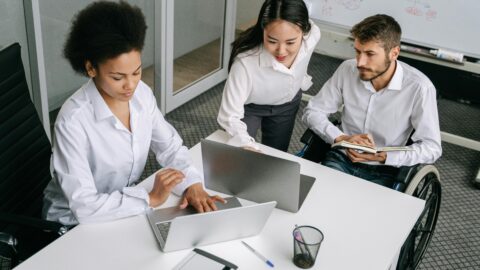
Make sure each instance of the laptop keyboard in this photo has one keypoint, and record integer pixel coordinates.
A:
(163, 228)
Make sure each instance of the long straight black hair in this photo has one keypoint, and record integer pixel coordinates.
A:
(294, 11)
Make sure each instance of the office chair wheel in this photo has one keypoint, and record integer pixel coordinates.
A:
(426, 186)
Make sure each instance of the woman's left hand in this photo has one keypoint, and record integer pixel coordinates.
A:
(196, 196)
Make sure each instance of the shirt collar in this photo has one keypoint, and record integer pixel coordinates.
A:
(101, 109)
(394, 84)
(266, 58)
(397, 79)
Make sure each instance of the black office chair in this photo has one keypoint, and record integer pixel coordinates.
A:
(25, 153)
(421, 181)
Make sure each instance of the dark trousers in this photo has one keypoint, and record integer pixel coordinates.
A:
(275, 121)
(380, 174)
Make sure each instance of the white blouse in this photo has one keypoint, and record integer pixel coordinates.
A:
(257, 77)
(97, 161)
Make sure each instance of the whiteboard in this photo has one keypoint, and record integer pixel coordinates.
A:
(446, 24)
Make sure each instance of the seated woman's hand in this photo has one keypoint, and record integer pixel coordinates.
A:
(196, 196)
(165, 181)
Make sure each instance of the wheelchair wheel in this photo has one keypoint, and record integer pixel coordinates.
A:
(424, 185)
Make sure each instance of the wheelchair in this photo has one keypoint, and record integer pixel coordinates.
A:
(421, 181)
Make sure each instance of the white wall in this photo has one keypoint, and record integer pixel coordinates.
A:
(196, 23)
(247, 10)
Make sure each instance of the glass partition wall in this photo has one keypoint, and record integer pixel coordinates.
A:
(186, 48)
(196, 48)
(61, 80)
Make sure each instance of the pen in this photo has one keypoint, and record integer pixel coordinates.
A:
(302, 245)
(258, 255)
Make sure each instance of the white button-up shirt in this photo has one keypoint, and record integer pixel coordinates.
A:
(257, 77)
(97, 161)
(407, 103)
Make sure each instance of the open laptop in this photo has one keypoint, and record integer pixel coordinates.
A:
(254, 176)
(177, 229)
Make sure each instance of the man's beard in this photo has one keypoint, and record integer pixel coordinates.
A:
(388, 62)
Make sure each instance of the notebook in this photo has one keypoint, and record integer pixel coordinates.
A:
(254, 176)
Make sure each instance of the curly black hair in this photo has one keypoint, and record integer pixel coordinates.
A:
(104, 30)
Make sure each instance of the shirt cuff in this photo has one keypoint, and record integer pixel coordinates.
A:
(139, 193)
(332, 133)
(243, 141)
(393, 158)
(180, 188)
(307, 82)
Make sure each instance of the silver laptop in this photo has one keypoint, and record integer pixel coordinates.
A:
(176, 230)
(254, 176)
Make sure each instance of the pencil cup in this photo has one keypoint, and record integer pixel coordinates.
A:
(306, 243)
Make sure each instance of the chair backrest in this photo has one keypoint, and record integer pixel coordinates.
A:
(25, 149)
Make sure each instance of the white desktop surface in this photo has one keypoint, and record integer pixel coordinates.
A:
(364, 225)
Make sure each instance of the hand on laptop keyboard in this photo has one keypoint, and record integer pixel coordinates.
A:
(197, 197)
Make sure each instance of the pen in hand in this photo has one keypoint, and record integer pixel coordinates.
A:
(258, 255)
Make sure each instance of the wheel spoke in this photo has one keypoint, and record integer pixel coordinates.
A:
(429, 189)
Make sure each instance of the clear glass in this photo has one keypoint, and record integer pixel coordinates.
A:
(198, 38)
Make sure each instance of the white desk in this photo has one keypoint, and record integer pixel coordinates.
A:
(364, 226)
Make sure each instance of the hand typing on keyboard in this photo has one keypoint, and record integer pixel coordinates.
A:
(196, 196)
(165, 181)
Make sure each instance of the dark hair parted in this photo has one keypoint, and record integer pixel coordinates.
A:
(380, 27)
(104, 30)
(293, 11)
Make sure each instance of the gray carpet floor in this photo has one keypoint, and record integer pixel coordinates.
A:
(456, 243)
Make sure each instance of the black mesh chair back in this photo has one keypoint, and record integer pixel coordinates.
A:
(24, 146)
(25, 153)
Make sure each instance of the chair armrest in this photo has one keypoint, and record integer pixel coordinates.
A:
(8, 239)
(8, 251)
(307, 137)
(405, 174)
(45, 225)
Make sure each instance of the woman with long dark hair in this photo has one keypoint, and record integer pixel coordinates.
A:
(268, 70)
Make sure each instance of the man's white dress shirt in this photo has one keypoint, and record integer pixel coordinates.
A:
(97, 161)
(257, 77)
(407, 103)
